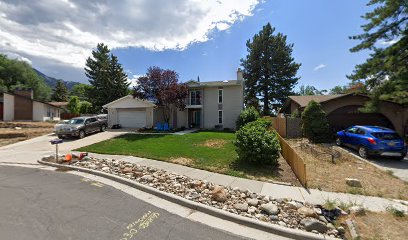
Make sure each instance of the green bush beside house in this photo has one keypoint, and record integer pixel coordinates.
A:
(315, 125)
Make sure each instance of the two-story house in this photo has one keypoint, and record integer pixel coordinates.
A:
(212, 104)
(209, 105)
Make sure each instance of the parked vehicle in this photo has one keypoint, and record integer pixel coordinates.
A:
(81, 126)
(59, 124)
(372, 140)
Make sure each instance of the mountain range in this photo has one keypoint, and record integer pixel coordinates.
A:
(52, 82)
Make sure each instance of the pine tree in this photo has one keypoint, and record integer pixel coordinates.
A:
(269, 70)
(60, 92)
(106, 76)
(385, 72)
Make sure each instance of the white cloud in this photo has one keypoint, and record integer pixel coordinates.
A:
(65, 31)
(318, 67)
(18, 57)
(133, 80)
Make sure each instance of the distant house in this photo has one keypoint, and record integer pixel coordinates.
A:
(208, 105)
(343, 111)
(20, 106)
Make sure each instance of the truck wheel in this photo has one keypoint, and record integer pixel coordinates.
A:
(103, 128)
(81, 134)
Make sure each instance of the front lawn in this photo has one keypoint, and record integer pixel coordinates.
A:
(213, 151)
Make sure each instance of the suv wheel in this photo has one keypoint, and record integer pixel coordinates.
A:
(103, 128)
(338, 142)
(81, 134)
(362, 152)
(60, 136)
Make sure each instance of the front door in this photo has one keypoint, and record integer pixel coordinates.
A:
(196, 119)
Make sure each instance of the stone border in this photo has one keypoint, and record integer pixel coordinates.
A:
(267, 227)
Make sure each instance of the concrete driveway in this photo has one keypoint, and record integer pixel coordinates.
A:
(31, 150)
(398, 167)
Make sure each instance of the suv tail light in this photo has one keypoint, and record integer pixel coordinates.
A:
(372, 141)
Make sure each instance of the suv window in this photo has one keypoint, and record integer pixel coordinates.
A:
(93, 120)
(360, 131)
(352, 130)
(88, 121)
(386, 136)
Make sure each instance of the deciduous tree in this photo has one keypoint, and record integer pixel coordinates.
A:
(163, 88)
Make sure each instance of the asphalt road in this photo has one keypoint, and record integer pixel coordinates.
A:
(43, 204)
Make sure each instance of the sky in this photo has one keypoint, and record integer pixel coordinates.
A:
(193, 37)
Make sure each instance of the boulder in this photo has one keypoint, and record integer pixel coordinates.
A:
(352, 182)
(105, 169)
(219, 194)
(311, 224)
(147, 178)
(127, 170)
(252, 202)
(307, 212)
(294, 205)
(243, 207)
(270, 208)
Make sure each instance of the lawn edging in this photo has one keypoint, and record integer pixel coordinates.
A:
(271, 228)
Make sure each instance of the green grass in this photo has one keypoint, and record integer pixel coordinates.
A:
(166, 147)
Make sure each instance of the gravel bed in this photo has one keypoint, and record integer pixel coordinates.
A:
(284, 212)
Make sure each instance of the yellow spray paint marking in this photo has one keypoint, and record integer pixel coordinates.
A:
(93, 183)
(142, 223)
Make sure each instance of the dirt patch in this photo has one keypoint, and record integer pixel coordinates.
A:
(380, 226)
(182, 161)
(327, 176)
(12, 132)
(214, 143)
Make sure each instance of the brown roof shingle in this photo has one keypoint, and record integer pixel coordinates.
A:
(303, 101)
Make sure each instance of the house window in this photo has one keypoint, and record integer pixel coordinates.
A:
(220, 95)
(219, 116)
(195, 98)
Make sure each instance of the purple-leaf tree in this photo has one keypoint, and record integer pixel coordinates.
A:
(163, 88)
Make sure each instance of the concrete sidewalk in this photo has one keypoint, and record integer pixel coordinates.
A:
(275, 190)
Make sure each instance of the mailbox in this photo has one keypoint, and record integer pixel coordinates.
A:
(56, 141)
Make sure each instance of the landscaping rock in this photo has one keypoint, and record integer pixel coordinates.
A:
(147, 178)
(243, 207)
(352, 182)
(252, 202)
(219, 194)
(127, 169)
(282, 211)
(270, 208)
(311, 224)
(294, 205)
(307, 212)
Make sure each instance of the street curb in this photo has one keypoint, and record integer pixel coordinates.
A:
(267, 227)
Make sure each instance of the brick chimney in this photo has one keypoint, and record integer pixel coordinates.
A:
(29, 93)
(240, 75)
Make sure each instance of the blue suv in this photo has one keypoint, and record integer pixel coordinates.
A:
(372, 140)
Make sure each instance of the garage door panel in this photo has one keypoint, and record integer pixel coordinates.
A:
(132, 118)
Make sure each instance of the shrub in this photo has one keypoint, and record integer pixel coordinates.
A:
(247, 115)
(255, 143)
(315, 125)
(73, 105)
(85, 107)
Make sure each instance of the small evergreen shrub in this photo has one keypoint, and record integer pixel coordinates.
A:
(255, 143)
(247, 115)
(315, 125)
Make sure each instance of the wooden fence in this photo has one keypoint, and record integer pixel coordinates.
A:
(294, 160)
(65, 116)
(287, 127)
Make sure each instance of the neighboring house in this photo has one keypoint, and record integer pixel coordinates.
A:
(209, 105)
(343, 111)
(62, 105)
(20, 106)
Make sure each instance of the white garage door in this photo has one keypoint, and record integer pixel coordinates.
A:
(132, 118)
